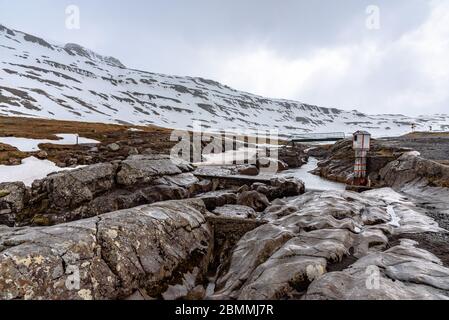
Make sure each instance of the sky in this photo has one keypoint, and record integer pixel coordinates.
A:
(384, 56)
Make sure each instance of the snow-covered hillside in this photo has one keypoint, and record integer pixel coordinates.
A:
(69, 82)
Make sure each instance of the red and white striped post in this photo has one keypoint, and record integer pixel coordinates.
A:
(361, 145)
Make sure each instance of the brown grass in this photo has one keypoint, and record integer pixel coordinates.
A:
(8, 153)
(46, 129)
(427, 135)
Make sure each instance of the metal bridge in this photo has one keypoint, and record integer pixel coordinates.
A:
(317, 137)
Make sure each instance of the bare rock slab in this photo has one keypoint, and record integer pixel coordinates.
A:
(112, 256)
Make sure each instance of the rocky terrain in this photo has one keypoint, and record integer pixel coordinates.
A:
(430, 145)
(148, 227)
(392, 162)
(116, 142)
(337, 161)
(42, 79)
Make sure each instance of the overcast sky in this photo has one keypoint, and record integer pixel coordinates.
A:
(316, 51)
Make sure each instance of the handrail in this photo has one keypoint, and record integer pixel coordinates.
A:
(310, 137)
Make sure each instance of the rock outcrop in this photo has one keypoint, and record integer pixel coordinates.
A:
(106, 187)
(338, 164)
(13, 197)
(309, 236)
(410, 168)
(293, 155)
(138, 180)
(403, 272)
(145, 250)
(297, 248)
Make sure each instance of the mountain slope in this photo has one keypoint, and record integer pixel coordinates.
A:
(69, 82)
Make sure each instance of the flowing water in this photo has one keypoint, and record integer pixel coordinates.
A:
(312, 181)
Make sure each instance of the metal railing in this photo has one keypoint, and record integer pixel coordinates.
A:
(313, 137)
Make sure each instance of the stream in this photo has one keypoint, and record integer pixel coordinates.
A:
(312, 181)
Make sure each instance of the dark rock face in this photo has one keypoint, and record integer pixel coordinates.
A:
(280, 188)
(219, 198)
(278, 165)
(13, 199)
(253, 199)
(230, 191)
(285, 187)
(294, 156)
(319, 152)
(227, 232)
(248, 170)
(145, 249)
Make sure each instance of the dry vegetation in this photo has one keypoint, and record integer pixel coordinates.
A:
(152, 137)
(145, 137)
(46, 129)
(9, 155)
(427, 134)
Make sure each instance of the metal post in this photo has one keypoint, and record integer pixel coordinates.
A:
(361, 146)
(360, 167)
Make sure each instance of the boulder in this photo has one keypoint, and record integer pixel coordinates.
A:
(14, 198)
(106, 187)
(185, 180)
(42, 155)
(219, 198)
(202, 186)
(280, 188)
(410, 168)
(114, 147)
(14, 161)
(296, 264)
(248, 170)
(285, 187)
(69, 189)
(294, 156)
(276, 164)
(133, 151)
(253, 199)
(146, 249)
(142, 169)
(244, 188)
(235, 211)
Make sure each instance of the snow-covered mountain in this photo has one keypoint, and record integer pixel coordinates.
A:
(69, 82)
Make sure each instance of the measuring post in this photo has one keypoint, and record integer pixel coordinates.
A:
(361, 145)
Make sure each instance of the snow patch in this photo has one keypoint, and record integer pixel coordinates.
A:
(30, 170)
(394, 217)
(413, 153)
(31, 145)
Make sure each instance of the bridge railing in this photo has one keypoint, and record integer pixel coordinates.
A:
(310, 137)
